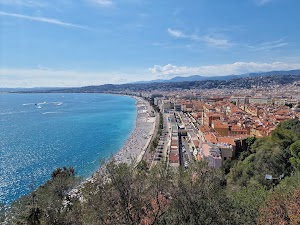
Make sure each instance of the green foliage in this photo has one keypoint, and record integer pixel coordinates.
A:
(142, 166)
(161, 121)
(227, 165)
(242, 172)
(295, 152)
(155, 141)
(292, 124)
(289, 184)
(2, 213)
(46, 204)
(63, 172)
(247, 202)
(282, 206)
(269, 155)
(199, 197)
(124, 195)
(250, 141)
(128, 198)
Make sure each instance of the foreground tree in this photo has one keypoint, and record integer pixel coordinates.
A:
(283, 205)
(199, 197)
(295, 152)
(269, 155)
(124, 195)
(281, 210)
(246, 202)
(50, 203)
(128, 195)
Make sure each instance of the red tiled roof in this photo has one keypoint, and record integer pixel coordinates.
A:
(211, 137)
(218, 124)
(228, 140)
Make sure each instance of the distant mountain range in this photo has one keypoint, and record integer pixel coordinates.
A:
(226, 77)
(196, 81)
(239, 83)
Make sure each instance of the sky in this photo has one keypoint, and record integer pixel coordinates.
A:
(62, 43)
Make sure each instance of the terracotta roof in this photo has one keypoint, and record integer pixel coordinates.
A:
(219, 124)
(228, 140)
(204, 129)
(211, 137)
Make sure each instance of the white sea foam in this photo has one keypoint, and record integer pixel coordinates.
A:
(6, 113)
(50, 113)
(57, 103)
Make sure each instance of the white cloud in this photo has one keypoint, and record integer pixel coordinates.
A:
(272, 44)
(42, 20)
(222, 69)
(268, 45)
(176, 33)
(217, 42)
(102, 2)
(210, 40)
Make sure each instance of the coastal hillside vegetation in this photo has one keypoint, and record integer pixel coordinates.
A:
(123, 194)
(276, 155)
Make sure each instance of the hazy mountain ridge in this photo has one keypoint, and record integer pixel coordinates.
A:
(233, 81)
(226, 77)
(217, 80)
(239, 83)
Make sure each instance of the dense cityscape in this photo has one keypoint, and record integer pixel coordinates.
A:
(215, 123)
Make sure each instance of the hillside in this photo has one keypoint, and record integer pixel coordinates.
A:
(240, 83)
(226, 77)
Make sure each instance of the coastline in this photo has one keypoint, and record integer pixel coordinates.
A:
(135, 146)
(138, 141)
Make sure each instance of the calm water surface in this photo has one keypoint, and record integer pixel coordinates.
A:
(40, 132)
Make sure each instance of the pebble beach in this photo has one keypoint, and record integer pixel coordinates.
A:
(139, 139)
(134, 148)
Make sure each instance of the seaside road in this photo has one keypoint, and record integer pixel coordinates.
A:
(149, 156)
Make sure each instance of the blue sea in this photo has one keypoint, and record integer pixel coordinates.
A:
(41, 132)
